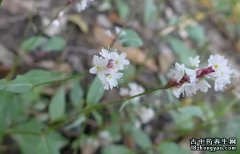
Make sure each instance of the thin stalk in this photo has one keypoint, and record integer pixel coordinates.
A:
(101, 105)
(60, 81)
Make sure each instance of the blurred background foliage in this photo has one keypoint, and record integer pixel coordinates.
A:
(49, 44)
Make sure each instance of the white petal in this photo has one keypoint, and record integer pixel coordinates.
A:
(93, 70)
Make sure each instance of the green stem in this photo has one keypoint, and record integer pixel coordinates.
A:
(60, 81)
(101, 105)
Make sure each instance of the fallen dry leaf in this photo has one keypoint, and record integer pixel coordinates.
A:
(77, 19)
(134, 54)
(165, 59)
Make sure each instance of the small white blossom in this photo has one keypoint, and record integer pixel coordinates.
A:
(120, 60)
(99, 66)
(192, 74)
(145, 114)
(187, 89)
(222, 74)
(194, 62)
(107, 67)
(111, 80)
(177, 72)
(203, 85)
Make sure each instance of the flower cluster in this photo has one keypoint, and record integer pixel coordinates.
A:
(188, 81)
(108, 67)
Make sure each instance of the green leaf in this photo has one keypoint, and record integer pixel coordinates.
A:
(11, 110)
(172, 148)
(19, 87)
(37, 77)
(141, 138)
(1, 2)
(54, 44)
(95, 92)
(122, 8)
(130, 38)
(31, 140)
(33, 43)
(57, 105)
(76, 95)
(117, 149)
(150, 12)
(196, 33)
(181, 50)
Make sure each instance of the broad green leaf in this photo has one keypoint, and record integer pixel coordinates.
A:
(37, 77)
(76, 95)
(57, 105)
(172, 148)
(117, 149)
(150, 12)
(1, 2)
(98, 117)
(33, 141)
(24, 83)
(95, 92)
(141, 138)
(19, 87)
(33, 42)
(122, 8)
(181, 50)
(196, 33)
(54, 44)
(130, 38)
(11, 110)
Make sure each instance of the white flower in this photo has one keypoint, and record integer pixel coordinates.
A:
(107, 67)
(120, 60)
(124, 91)
(194, 62)
(99, 66)
(111, 80)
(145, 114)
(192, 74)
(187, 89)
(222, 74)
(177, 72)
(203, 85)
(106, 54)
